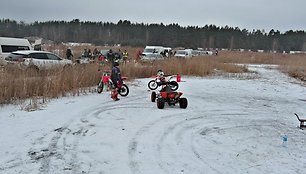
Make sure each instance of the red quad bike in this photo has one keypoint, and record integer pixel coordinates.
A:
(171, 98)
(105, 80)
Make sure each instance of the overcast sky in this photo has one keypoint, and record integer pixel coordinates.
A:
(265, 15)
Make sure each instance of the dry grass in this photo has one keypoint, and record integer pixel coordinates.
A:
(198, 66)
(292, 64)
(295, 67)
(19, 84)
(16, 84)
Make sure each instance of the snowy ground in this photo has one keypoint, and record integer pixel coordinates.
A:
(230, 126)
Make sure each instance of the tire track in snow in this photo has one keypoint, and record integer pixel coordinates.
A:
(73, 162)
(134, 142)
(170, 122)
(232, 132)
(177, 128)
(96, 114)
(173, 137)
(45, 154)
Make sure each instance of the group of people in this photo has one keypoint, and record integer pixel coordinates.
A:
(89, 54)
(111, 55)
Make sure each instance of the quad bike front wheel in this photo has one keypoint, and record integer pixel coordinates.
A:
(124, 90)
(153, 96)
(183, 103)
(152, 84)
(160, 103)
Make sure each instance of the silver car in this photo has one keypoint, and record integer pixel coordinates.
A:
(151, 57)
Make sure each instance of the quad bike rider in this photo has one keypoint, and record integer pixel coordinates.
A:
(167, 95)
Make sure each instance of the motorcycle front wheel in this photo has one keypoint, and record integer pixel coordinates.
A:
(100, 87)
(152, 85)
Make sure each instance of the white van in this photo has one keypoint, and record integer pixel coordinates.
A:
(183, 53)
(9, 44)
(153, 50)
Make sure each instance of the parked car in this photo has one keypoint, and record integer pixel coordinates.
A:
(104, 52)
(151, 57)
(183, 53)
(83, 60)
(153, 50)
(37, 59)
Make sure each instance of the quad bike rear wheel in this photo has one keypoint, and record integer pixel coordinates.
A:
(183, 103)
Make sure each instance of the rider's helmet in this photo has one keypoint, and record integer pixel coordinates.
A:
(160, 73)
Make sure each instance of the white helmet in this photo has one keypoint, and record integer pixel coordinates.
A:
(160, 73)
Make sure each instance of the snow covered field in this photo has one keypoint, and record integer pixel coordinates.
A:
(230, 126)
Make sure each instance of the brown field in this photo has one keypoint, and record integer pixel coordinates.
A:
(17, 85)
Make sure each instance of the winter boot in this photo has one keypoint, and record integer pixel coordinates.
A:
(114, 94)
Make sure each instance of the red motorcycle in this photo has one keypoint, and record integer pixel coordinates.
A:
(106, 81)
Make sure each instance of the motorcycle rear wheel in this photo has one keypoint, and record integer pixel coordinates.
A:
(174, 85)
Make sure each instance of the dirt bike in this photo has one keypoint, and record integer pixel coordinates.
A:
(163, 80)
(105, 80)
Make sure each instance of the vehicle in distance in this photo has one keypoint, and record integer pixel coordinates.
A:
(183, 53)
(151, 57)
(153, 50)
(37, 59)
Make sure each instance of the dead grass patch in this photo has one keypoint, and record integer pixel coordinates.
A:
(16, 84)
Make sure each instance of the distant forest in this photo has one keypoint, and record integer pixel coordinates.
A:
(172, 35)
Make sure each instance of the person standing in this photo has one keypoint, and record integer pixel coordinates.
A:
(89, 53)
(85, 53)
(138, 55)
(125, 56)
(69, 54)
(117, 81)
(111, 57)
(95, 54)
(101, 60)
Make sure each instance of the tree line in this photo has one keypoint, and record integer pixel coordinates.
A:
(172, 35)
